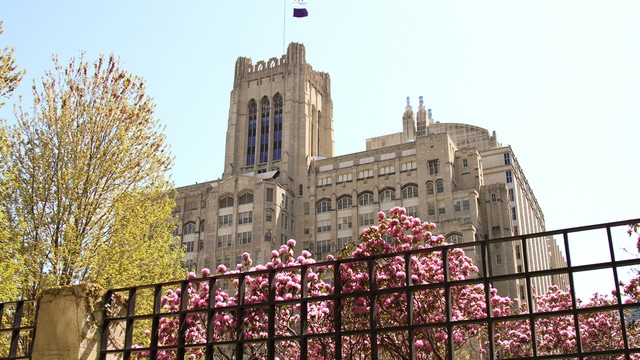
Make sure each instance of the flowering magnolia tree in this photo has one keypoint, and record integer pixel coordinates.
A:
(372, 282)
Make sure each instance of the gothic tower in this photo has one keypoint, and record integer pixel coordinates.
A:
(280, 118)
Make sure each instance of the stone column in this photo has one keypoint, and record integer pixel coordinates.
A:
(69, 323)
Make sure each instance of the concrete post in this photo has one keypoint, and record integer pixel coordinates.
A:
(69, 323)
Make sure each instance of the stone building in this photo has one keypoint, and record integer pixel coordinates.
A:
(282, 179)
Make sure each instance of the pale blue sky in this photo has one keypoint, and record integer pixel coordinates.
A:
(559, 81)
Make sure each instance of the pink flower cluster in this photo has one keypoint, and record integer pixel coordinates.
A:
(388, 274)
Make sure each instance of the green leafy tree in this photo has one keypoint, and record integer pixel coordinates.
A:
(10, 259)
(89, 197)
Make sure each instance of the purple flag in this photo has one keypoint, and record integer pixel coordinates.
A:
(300, 8)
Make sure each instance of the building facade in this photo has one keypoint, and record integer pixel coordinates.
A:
(282, 179)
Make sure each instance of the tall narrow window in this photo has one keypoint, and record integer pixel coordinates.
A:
(507, 158)
(277, 127)
(251, 133)
(264, 130)
(509, 175)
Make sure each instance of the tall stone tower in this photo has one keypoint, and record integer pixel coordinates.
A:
(280, 118)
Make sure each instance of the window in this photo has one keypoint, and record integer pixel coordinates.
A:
(224, 241)
(243, 238)
(245, 217)
(441, 208)
(433, 166)
(246, 198)
(513, 213)
(412, 211)
(323, 226)
(519, 268)
(189, 228)
(177, 209)
(264, 130)
(365, 199)
(343, 241)
(454, 239)
(364, 174)
(509, 176)
(410, 191)
(367, 219)
(386, 170)
(431, 209)
(284, 220)
(457, 207)
(465, 205)
(465, 163)
(440, 186)
(300, 189)
(225, 220)
(430, 188)
(277, 127)
(203, 203)
(176, 231)
(202, 226)
(251, 133)
(268, 215)
(387, 195)
(518, 254)
(269, 195)
(323, 206)
(498, 259)
(345, 178)
(191, 205)
(344, 202)
(507, 158)
(226, 201)
(493, 198)
(323, 246)
(511, 195)
(408, 166)
(189, 246)
(323, 181)
(345, 223)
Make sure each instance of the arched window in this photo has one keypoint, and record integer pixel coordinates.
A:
(440, 186)
(189, 228)
(365, 199)
(264, 130)
(246, 198)
(226, 201)
(409, 191)
(251, 132)
(344, 202)
(454, 238)
(268, 215)
(387, 195)
(430, 188)
(202, 226)
(323, 205)
(277, 127)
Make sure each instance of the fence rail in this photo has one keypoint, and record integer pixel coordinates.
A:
(285, 326)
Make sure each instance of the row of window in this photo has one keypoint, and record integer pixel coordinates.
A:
(366, 198)
(227, 200)
(242, 238)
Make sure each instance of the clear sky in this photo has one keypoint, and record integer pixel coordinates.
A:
(559, 81)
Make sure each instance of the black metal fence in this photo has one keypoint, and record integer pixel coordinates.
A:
(17, 329)
(357, 324)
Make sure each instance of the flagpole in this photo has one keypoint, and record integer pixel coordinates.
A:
(284, 22)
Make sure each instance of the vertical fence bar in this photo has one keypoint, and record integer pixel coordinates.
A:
(271, 321)
(15, 333)
(409, 295)
(303, 312)
(240, 317)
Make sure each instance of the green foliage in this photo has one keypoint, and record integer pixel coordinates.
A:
(10, 259)
(89, 199)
